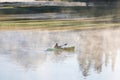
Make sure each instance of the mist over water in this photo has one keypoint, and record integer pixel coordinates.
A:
(23, 55)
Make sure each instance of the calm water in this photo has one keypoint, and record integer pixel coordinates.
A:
(23, 55)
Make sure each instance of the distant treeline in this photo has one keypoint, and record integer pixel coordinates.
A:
(42, 9)
(63, 3)
(84, 0)
(96, 0)
(83, 11)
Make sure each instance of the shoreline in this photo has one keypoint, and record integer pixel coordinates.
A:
(59, 28)
(54, 25)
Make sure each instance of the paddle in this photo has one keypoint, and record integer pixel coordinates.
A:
(64, 45)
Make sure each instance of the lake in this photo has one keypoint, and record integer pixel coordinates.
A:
(24, 55)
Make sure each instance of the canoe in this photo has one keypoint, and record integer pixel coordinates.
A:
(62, 49)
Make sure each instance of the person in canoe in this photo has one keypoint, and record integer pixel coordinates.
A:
(58, 47)
(61, 48)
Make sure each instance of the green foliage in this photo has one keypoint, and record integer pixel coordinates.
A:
(82, 11)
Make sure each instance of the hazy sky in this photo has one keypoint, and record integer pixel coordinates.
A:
(15, 0)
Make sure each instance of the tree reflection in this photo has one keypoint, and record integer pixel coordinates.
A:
(61, 55)
(28, 60)
(99, 49)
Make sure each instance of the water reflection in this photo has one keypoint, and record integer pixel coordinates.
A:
(98, 48)
(28, 60)
(61, 55)
(96, 52)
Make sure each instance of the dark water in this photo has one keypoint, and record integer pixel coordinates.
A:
(23, 55)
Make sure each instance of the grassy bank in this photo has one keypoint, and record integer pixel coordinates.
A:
(96, 17)
(56, 24)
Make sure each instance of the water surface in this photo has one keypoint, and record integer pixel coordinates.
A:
(23, 55)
